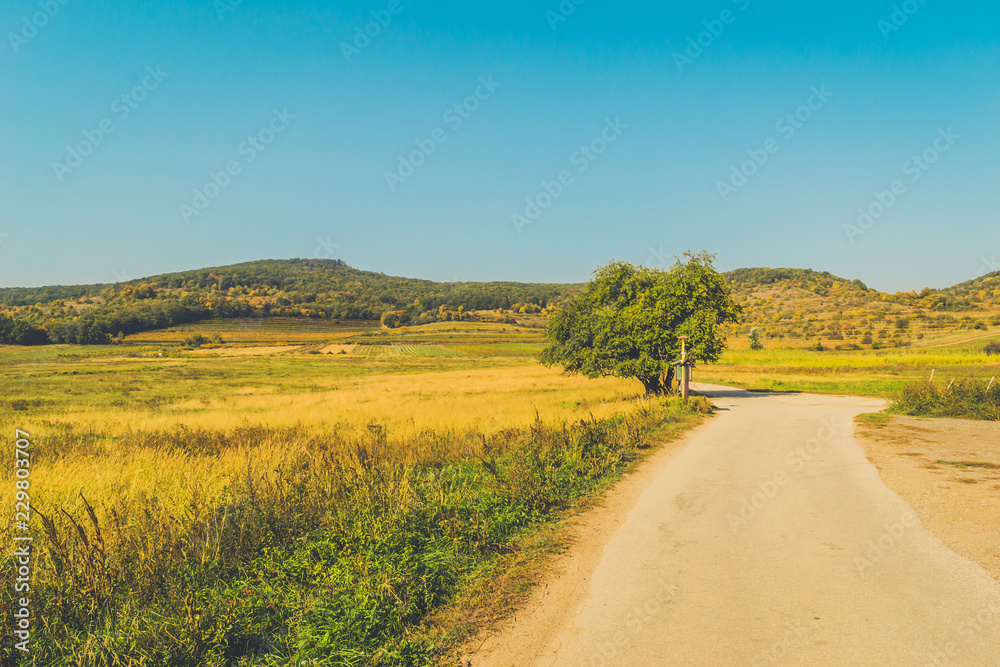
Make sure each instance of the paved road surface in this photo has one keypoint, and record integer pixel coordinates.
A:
(767, 539)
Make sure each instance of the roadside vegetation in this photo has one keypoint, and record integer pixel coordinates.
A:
(963, 397)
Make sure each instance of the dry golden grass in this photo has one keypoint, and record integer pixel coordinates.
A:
(484, 401)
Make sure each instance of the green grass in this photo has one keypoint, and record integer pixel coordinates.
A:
(868, 373)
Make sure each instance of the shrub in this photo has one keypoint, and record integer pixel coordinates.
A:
(196, 340)
(993, 347)
(969, 398)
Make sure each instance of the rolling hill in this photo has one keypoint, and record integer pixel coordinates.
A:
(311, 288)
(794, 306)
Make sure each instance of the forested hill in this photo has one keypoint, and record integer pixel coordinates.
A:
(316, 288)
(797, 303)
(982, 293)
(800, 304)
(816, 282)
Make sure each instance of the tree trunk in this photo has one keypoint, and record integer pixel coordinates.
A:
(659, 384)
(652, 384)
(668, 380)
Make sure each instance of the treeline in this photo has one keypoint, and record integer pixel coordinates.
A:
(330, 289)
(19, 332)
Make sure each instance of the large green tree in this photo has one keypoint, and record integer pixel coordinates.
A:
(627, 321)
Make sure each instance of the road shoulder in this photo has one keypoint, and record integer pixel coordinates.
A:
(948, 470)
(521, 639)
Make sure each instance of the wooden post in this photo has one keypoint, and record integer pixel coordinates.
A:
(687, 379)
(684, 367)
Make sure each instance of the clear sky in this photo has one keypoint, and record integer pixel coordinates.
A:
(583, 132)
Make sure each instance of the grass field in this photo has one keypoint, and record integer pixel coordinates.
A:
(476, 339)
(257, 330)
(864, 373)
(217, 507)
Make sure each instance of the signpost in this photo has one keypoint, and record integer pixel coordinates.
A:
(685, 368)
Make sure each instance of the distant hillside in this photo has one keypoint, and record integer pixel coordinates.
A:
(786, 304)
(806, 305)
(315, 288)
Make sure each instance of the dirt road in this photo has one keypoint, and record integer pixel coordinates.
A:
(766, 539)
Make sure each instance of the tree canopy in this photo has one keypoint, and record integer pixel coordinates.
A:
(627, 321)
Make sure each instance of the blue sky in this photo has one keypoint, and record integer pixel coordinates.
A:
(662, 144)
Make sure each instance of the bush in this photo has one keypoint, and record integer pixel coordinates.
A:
(196, 340)
(992, 347)
(969, 398)
(395, 318)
